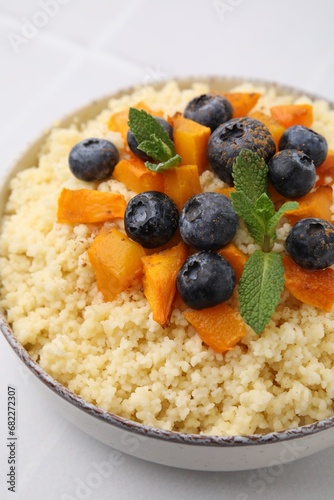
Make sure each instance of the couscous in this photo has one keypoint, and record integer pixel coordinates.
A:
(112, 353)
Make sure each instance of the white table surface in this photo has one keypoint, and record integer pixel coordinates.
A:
(56, 55)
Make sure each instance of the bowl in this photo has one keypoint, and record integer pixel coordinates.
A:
(175, 449)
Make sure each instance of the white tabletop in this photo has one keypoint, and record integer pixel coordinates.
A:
(56, 55)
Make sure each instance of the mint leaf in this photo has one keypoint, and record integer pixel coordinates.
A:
(241, 204)
(143, 126)
(155, 148)
(272, 224)
(251, 200)
(250, 174)
(245, 208)
(161, 167)
(153, 140)
(263, 211)
(262, 280)
(265, 208)
(256, 215)
(260, 288)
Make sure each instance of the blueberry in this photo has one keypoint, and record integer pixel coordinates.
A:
(208, 221)
(209, 110)
(310, 243)
(304, 139)
(292, 173)
(151, 219)
(93, 159)
(229, 139)
(133, 144)
(206, 279)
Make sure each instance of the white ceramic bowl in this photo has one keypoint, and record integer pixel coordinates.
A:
(188, 451)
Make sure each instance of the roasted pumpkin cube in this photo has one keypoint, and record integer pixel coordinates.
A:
(325, 171)
(180, 183)
(220, 327)
(118, 122)
(86, 206)
(226, 191)
(116, 261)
(159, 280)
(242, 102)
(315, 204)
(275, 128)
(137, 177)
(315, 288)
(191, 140)
(235, 257)
(293, 114)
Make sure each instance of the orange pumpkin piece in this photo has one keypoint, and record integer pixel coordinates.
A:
(325, 171)
(235, 257)
(315, 204)
(225, 191)
(220, 327)
(159, 280)
(180, 183)
(145, 107)
(85, 206)
(116, 261)
(242, 102)
(190, 139)
(275, 195)
(315, 288)
(118, 122)
(293, 114)
(275, 128)
(137, 177)
(175, 240)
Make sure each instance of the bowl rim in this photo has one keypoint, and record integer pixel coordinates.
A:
(92, 109)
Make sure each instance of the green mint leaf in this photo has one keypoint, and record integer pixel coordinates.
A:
(143, 126)
(272, 223)
(155, 148)
(241, 204)
(245, 208)
(260, 288)
(162, 166)
(250, 174)
(263, 211)
(265, 208)
(262, 280)
(251, 201)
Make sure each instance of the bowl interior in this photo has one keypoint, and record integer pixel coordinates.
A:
(30, 158)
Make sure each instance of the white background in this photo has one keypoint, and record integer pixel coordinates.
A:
(86, 49)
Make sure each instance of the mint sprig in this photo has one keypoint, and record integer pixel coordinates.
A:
(250, 174)
(153, 140)
(262, 280)
(260, 288)
(251, 200)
